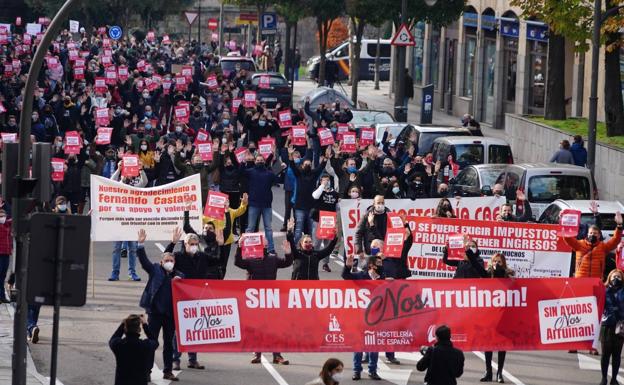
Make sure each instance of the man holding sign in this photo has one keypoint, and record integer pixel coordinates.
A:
(591, 252)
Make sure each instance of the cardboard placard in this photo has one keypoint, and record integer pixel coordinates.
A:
(569, 220)
(130, 165)
(215, 205)
(326, 228)
(393, 243)
(298, 136)
(342, 129)
(102, 117)
(212, 82)
(326, 137)
(236, 102)
(182, 112)
(104, 135)
(204, 149)
(100, 85)
(265, 148)
(252, 246)
(249, 99)
(348, 143)
(264, 82)
(240, 154)
(9, 137)
(58, 169)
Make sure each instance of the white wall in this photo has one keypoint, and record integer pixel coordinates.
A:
(537, 142)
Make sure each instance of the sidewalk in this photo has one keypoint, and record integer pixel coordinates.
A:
(6, 350)
(380, 100)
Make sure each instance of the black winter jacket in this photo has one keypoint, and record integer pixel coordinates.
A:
(305, 265)
(262, 269)
(133, 356)
(472, 268)
(443, 363)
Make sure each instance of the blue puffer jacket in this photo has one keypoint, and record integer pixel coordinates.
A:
(579, 153)
(614, 306)
(261, 181)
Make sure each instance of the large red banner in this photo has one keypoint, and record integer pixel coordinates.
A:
(399, 315)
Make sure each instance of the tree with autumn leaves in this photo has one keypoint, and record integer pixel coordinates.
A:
(573, 20)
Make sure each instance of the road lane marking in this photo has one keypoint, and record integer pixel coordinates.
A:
(506, 374)
(276, 215)
(160, 247)
(395, 375)
(588, 363)
(267, 365)
(338, 260)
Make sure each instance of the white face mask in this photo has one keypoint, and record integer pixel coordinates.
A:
(144, 147)
(62, 207)
(338, 377)
(168, 266)
(354, 195)
(193, 249)
(474, 250)
(380, 208)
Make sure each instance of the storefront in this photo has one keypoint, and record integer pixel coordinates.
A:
(537, 42)
(510, 32)
(471, 22)
(489, 25)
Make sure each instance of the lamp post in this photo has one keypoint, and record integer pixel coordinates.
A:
(599, 19)
(400, 107)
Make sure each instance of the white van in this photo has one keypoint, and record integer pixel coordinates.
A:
(368, 52)
(544, 183)
(469, 150)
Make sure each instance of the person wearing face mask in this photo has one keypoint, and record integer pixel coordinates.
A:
(306, 177)
(613, 314)
(348, 173)
(290, 185)
(306, 258)
(71, 186)
(374, 271)
(522, 204)
(61, 206)
(158, 301)
(110, 162)
(444, 209)
(498, 269)
(471, 266)
(260, 181)
(591, 251)
(372, 226)
(11, 126)
(6, 248)
(37, 128)
(194, 264)
(331, 373)
(265, 269)
(166, 172)
(326, 199)
(179, 132)
(197, 166)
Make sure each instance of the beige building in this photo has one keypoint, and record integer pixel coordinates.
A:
(493, 61)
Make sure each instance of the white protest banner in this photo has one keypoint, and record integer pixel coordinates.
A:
(120, 210)
(33, 29)
(568, 319)
(353, 210)
(74, 26)
(532, 250)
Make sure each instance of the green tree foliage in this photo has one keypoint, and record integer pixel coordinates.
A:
(325, 12)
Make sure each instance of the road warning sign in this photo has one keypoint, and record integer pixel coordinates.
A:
(403, 37)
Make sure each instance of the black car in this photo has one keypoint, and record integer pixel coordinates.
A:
(278, 91)
(475, 180)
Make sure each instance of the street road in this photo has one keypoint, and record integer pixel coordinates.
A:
(85, 359)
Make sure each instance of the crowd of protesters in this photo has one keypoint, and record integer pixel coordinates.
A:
(160, 97)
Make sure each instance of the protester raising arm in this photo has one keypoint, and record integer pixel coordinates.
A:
(146, 264)
(177, 235)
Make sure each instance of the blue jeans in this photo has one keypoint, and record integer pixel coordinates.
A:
(303, 218)
(296, 73)
(33, 317)
(373, 357)
(267, 215)
(131, 246)
(177, 355)
(4, 268)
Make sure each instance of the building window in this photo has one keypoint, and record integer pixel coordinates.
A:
(434, 57)
(537, 67)
(511, 68)
(419, 38)
(470, 61)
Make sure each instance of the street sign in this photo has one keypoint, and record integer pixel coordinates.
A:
(115, 32)
(248, 16)
(403, 37)
(269, 22)
(190, 16)
(213, 24)
(239, 21)
(426, 106)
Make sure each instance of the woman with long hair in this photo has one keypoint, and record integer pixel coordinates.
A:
(610, 341)
(331, 373)
(497, 269)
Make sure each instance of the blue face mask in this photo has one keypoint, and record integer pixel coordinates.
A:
(148, 126)
(148, 114)
(375, 250)
(351, 169)
(334, 130)
(226, 122)
(262, 123)
(298, 161)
